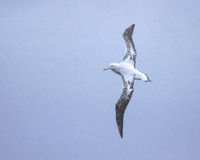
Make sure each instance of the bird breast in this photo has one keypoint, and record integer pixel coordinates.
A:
(127, 69)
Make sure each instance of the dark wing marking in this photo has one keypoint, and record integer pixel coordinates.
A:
(131, 53)
(123, 102)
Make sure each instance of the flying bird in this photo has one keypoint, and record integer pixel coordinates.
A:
(127, 70)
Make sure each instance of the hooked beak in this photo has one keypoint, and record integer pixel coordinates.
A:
(106, 68)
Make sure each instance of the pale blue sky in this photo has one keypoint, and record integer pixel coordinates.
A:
(56, 103)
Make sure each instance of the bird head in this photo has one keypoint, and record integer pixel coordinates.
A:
(112, 66)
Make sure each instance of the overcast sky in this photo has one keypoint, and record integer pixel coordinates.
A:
(56, 103)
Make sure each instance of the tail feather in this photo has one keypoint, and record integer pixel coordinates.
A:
(148, 79)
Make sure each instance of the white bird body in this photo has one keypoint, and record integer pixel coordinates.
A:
(127, 70)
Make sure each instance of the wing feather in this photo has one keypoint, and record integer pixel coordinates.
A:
(131, 53)
(123, 102)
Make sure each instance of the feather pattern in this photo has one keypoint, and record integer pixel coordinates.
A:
(123, 102)
(127, 70)
(131, 53)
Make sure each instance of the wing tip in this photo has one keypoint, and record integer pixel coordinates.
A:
(132, 26)
(121, 136)
(129, 30)
(120, 128)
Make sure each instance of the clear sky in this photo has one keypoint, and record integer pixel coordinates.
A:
(56, 103)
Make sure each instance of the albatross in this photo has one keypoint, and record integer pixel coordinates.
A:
(127, 70)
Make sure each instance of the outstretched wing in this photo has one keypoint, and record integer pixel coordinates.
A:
(131, 54)
(123, 102)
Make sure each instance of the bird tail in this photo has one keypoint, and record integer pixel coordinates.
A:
(148, 79)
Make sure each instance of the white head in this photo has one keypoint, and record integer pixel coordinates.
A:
(113, 66)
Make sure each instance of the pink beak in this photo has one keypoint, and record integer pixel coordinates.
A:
(106, 68)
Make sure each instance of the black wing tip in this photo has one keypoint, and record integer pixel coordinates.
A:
(121, 134)
(120, 128)
(132, 26)
(129, 30)
(120, 120)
